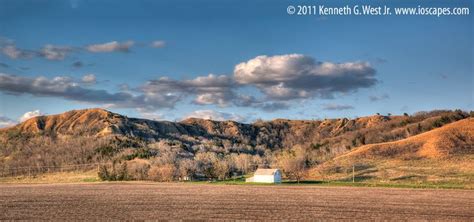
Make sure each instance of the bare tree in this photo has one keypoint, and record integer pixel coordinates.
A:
(187, 168)
(138, 169)
(163, 173)
(221, 169)
(243, 162)
(293, 162)
(205, 162)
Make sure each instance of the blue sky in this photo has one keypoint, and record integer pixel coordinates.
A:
(391, 64)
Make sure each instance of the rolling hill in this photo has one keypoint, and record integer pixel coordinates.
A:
(97, 135)
(442, 154)
(334, 135)
(450, 140)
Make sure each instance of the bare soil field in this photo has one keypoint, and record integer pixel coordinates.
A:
(92, 201)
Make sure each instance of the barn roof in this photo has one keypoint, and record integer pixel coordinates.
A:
(266, 171)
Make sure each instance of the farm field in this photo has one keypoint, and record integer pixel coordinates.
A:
(140, 200)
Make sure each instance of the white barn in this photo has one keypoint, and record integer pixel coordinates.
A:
(265, 176)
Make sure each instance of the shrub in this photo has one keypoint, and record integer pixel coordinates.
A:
(113, 173)
(122, 172)
(138, 169)
(104, 173)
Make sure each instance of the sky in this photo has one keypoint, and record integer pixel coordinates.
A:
(237, 60)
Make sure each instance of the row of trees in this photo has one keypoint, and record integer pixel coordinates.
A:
(206, 165)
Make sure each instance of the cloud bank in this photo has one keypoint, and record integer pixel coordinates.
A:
(280, 81)
(69, 89)
(295, 76)
(54, 52)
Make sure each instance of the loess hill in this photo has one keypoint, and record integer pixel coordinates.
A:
(440, 155)
(94, 135)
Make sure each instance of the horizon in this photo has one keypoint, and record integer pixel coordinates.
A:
(253, 122)
(162, 61)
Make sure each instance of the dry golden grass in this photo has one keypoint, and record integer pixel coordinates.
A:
(441, 156)
(453, 139)
(59, 177)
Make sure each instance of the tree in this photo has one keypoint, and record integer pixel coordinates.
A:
(138, 169)
(163, 173)
(293, 162)
(205, 162)
(221, 169)
(243, 162)
(187, 168)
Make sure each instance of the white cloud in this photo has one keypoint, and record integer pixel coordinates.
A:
(281, 80)
(15, 53)
(11, 51)
(296, 76)
(29, 115)
(215, 115)
(52, 52)
(210, 89)
(89, 79)
(113, 46)
(49, 51)
(158, 44)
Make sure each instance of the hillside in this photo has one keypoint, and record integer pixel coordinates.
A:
(334, 135)
(445, 153)
(95, 122)
(97, 135)
(450, 140)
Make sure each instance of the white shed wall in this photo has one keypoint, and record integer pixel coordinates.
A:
(263, 179)
(267, 178)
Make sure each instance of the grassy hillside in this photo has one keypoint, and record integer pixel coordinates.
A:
(444, 155)
(55, 177)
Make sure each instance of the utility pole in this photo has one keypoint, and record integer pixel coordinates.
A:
(353, 174)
